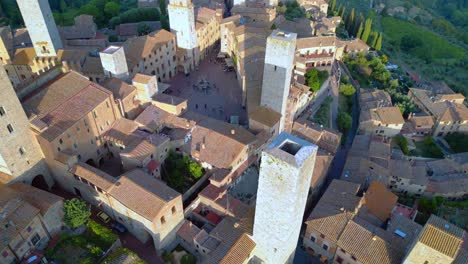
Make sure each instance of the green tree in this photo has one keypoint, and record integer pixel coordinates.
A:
(90, 9)
(143, 29)
(359, 32)
(402, 143)
(76, 212)
(384, 58)
(409, 42)
(165, 22)
(378, 45)
(344, 121)
(350, 21)
(63, 5)
(162, 7)
(367, 30)
(373, 39)
(314, 79)
(333, 5)
(347, 89)
(111, 9)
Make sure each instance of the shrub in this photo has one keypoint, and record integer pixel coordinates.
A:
(188, 259)
(315, 78)
(100, 235)
(323, 114)
(77, 212)
(347, 89)
(344, 121)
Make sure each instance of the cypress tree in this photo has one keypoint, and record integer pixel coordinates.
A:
(359, 32)
(378, 45)
(367, 30)
(350, 21)
(332, 6)
(342, 15)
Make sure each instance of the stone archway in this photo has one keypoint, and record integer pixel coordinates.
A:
(40, 182)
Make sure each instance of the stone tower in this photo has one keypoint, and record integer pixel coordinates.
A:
(285, 175)
(21, 158)
(114, 62)
(41, 27)
(182, 22)
(279, 60)
(6, 45)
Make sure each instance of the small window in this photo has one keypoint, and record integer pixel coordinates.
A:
(22, 151)
(312, 238)
(35, 239)
(60, 141)
(163, 220)
(2, 111)
(94, 114)
(354, 258)
(339, 260)
(325, 246)
(107, 104)
(173, 209)
(10, 128)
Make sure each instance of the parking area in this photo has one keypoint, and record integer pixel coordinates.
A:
(210, 90)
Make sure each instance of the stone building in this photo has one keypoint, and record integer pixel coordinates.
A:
(281, 197)
(41, 27)
(382, 121)
(277, 72)
(69, 116)
(146, 206)
(29, 218)
(6, 45)
(447, 108)
(125, 96)
(439, 242)
(21, 158)
(316, 52)
(153, 54)
(182, 17)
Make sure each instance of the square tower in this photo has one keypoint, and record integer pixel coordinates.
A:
(21, 158)
(285, 174)
(182, 22)
(41, 27)
(114, 62)
(279, 63)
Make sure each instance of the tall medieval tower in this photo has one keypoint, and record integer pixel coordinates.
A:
(182, 22)
(21, 158)
(41, 27)
(279, 63)
(285, 174)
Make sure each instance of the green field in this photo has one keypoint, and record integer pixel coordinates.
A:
(437, 46)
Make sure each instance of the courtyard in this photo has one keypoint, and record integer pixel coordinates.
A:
(210, 91)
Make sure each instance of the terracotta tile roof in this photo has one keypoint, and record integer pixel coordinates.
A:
(119, 88)
(220, 197)
(379, 200)
(123, 131)
(64, 101)
(356, 45)
(142, 78)
(38, 198)
(93, 175)
(456, 186)
(334, 209)
(389, 115)
(188, 231)
(84, 28)
(442, 236)
(142, 193)
(154, 117)
(209, 134)
(422, 120)
(373, 99)
(370, 244)
(92, 65)
(319, 41)
(15, 215)
(322, 164)
(400, 223)
(141, 47)
(141, 149)
(326, 139)
(240, 251)
(265, 115)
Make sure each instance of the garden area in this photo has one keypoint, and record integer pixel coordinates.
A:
(315, 78)
(427, 148)
(458, 142)
(370, 72)
(179, 256)
(345, 99)
(86, 248)
(322, 116)
(454, 211)
(121, 253)
(180, 172)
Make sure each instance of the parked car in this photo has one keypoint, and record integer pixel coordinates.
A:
(118, 227)
(103, 217)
